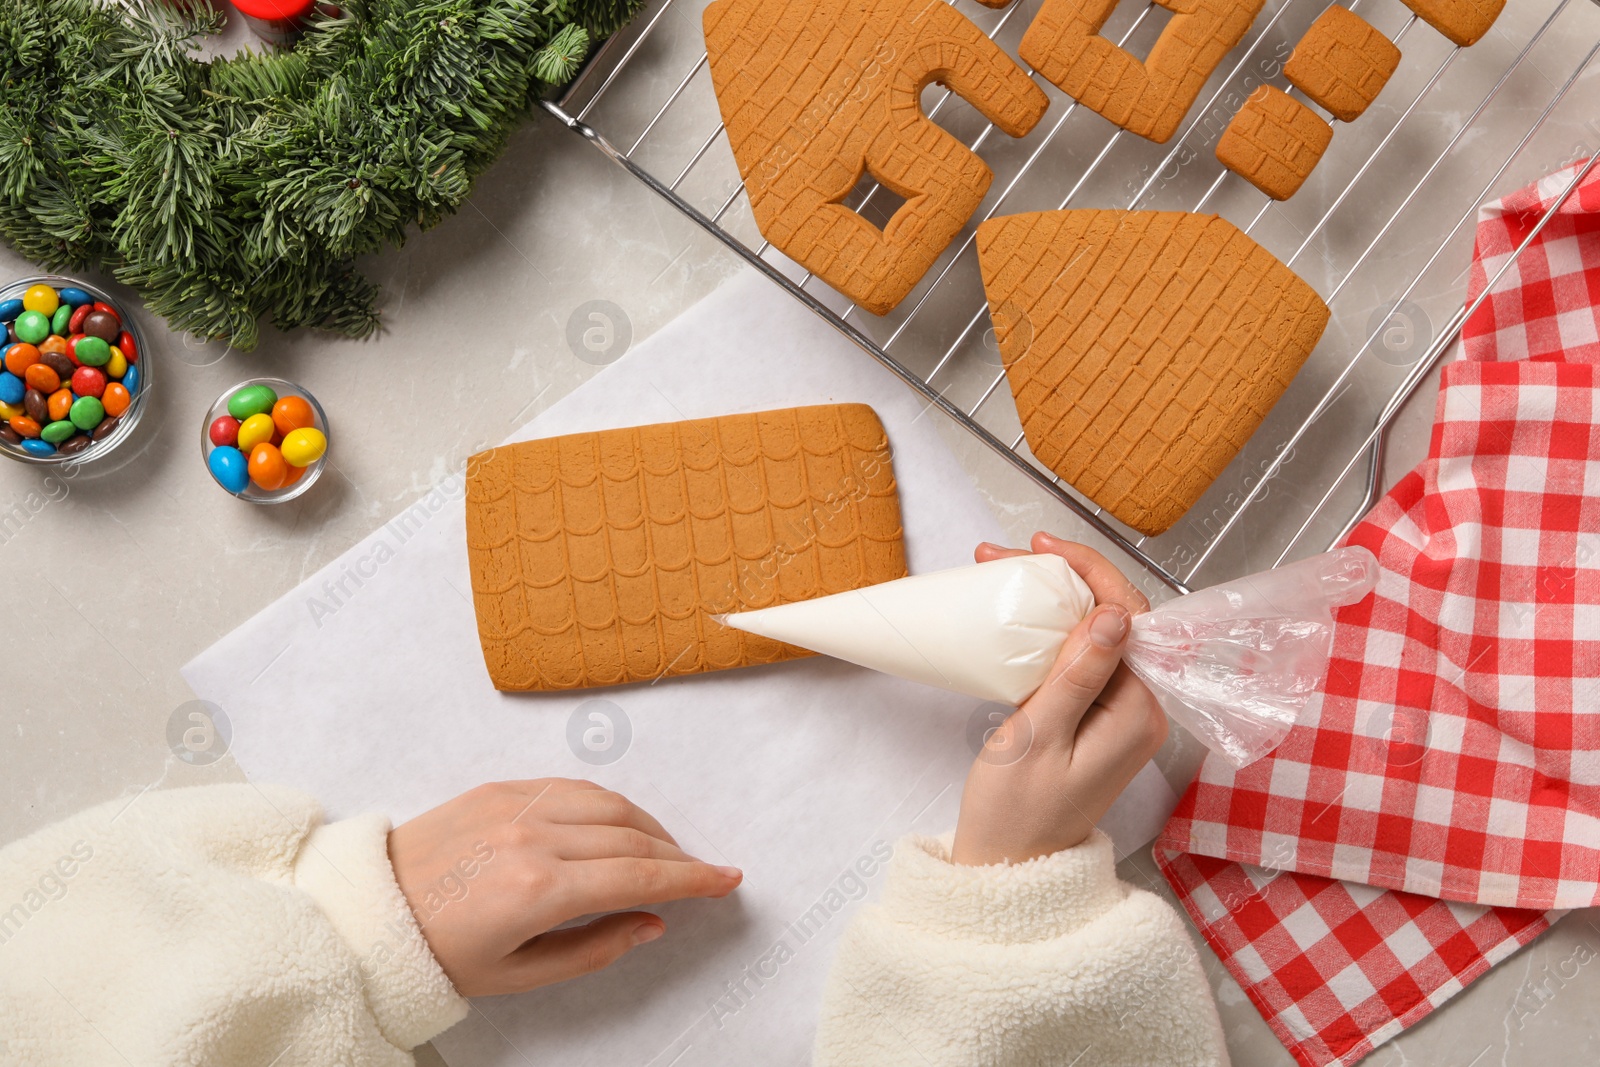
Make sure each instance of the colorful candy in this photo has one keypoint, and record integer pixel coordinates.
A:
(69, 376)
(277, 438)
(253, 431)
(224, 431)
(304, 446)
(251, 400)
(31, 326)
(229, 468)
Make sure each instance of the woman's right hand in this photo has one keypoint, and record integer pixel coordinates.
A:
(491, 873)
(1051, 771)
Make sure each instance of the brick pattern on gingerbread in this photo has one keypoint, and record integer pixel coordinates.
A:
(1274, 142)
(1143, 348)
(812, 95)
(1464, 22)
(602, 558)
(1149, 98)
(1342, 63)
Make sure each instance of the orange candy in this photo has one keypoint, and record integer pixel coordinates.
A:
(294, 475)
(292, 413)
(28, 428)
(267, 467)
(116, 399)
(60, 403)
(54, 343)
(20, 358)
(42, 378)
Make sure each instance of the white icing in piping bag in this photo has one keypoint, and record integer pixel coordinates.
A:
(990, 630)
(1235, 663)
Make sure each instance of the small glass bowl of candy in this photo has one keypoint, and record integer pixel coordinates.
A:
(265, 440)
(74, 372)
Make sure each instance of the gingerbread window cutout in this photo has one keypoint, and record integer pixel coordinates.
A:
(1149, 98)
(813, 95)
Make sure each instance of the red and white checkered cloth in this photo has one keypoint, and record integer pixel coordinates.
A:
(1439, 801)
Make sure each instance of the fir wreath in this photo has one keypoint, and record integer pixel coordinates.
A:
(236, 189)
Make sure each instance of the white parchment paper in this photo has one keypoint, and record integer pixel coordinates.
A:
(366, 687)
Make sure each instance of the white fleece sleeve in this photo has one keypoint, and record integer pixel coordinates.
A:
(219, 926)
(1049, 962)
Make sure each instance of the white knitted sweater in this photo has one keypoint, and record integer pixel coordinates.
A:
(228, 925)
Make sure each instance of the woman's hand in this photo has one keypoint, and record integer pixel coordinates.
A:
(490, 873)
(1047, 775)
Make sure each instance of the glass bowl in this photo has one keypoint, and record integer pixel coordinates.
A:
(129, 418)
(253, 492)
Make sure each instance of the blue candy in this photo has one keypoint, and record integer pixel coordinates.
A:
(10, 309)
(35, 447)
(229, 468)
(75, 297)
(5, 335)
(130, 380)
(11, 388)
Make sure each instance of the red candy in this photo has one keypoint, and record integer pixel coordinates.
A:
(225, 431)
(129, 348)
(79, 313)
(89, 381)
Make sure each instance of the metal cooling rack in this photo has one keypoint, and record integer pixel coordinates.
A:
(1382, 229)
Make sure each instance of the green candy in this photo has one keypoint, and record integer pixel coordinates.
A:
(251, 400)
(58, 432)
(32, 327)
(62, 319)
(92, 352)
(86, 413)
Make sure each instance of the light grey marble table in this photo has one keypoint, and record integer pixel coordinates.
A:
(117, 576)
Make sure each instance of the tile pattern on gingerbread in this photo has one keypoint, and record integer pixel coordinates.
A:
(812, 95)
(1149, 98)
(1343, 62)
(1143, 348)
(1464, 22)
(602, 558)
(1274, 142)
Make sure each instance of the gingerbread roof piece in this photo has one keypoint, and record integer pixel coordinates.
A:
(602, 558)
(1143, 348)
(814, 94)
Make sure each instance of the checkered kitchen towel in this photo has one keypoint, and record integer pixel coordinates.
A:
(1439, 801)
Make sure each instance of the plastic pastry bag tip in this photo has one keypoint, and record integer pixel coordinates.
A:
(1236, 663)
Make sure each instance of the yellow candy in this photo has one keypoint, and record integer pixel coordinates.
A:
(302, 447)
(41, 298)
(117, 365)
(8, 412)
(254, 430)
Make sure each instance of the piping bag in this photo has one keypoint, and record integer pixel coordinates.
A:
(1233, 664)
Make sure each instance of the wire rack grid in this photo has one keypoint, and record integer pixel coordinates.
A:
(1382, 229)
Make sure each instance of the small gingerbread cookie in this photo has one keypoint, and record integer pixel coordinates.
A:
(1464, 22)
(1342, 63)
(1150, 98)
(603, 558)
(1143, 347)
(815, 94)
(1274, 142)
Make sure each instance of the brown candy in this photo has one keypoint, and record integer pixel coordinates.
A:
(106, 428)
(73, 446)
(38, 409)
(59, 363)
(11, 435)
(102, 325)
